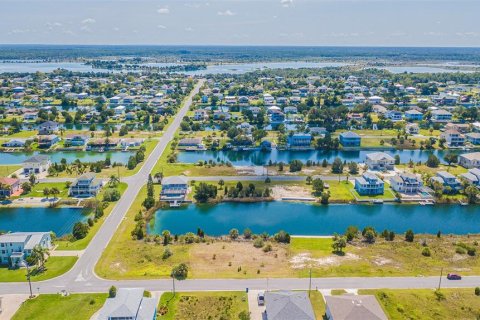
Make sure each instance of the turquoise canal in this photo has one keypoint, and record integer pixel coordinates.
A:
(259, 158)
(310, 219)
(58, 220)
(15, 158)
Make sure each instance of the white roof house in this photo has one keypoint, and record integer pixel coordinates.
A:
(129, 303)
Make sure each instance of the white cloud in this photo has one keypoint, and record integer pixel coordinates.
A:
(286, 3)
(161, 26)
(189, 29)
(226, 13)
(89, 21)
(164, 10)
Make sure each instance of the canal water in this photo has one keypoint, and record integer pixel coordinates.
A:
(58, 220)
(312, 219)
(16, 158)
(258, 158)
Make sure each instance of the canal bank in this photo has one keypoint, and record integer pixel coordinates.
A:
(313, 219)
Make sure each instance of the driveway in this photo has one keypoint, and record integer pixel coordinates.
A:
(256, 311)
(9, 304)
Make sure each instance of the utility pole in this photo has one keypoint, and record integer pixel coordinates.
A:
(310, 283)
(29, 282)
(440, 280)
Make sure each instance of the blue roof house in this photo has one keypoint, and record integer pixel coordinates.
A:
(369, 184)
(350, 139)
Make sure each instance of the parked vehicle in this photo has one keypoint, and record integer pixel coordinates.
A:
(261, 299)
(454, 276)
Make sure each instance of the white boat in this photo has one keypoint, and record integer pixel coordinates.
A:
(377, 201)
(427, 203)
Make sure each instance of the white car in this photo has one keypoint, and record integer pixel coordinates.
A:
(261, 299)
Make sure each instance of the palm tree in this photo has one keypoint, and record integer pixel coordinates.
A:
(54, 191)
(32, 179)
(113, 180)
(46, 192)
(39, 255)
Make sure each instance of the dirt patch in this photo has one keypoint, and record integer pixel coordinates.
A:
(381, 261)
(279, 192)
(303, 260)
(236, 259)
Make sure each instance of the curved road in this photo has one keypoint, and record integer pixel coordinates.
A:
(81, 277)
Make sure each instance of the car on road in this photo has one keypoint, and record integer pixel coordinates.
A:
(261, 299)
(454, 276)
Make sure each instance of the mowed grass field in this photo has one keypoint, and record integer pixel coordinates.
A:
(55, 266)
(57, 307)
(425, 304)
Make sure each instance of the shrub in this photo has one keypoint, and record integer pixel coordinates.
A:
(247, 233)
(460, 250)
(426, 252)
(409, 235)
(477, 291)
(112, 292)
(80, 230)
(258, 243)
(111, 195)
(267, 248)
(233, 234)
(167, 253)
(282, 237)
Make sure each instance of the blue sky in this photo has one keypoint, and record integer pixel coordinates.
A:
(242, 22)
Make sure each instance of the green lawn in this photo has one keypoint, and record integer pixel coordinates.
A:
(318, 304)
(318, 247)
(8, 170)
(57, 307)
(339, 191)
(424, 304)
(387, 194)
(22, 134)
(83, 243)
(202, 305)
(55, 266)
(37, 190)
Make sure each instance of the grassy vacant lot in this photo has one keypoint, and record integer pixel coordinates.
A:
(340, 191)
(55, 266)
(54, 306)
(37, 190)
(423, 169)
(202, 305)
(8, 170)
(125, 258)
(83, 243)
(424, 304)
(189, 169)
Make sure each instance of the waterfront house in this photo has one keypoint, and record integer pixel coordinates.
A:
(283, 305)
(75, 140)
(472, 176)
(276, 117)
(412, 128)
(221, 115)
(406, 183)
(85, 186)
(174, 189)
(413, 115)
(350, 139)
(460, 127)
(299, 140)
(48, 127)
(9, 187)
(453, 138)
(36, 164)
(447, 180)
(16, 247)
(46, 141)
(102, 143)
(394, 115)
(441, 115)
(469, 160)
(353, 307)
(369, 184)
(15, 143)
(131, 304)
(131, 142)
(379, 161)
(190, 142)
(473, 137)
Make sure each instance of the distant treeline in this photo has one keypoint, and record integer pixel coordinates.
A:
(235, 53)
(118, 65)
